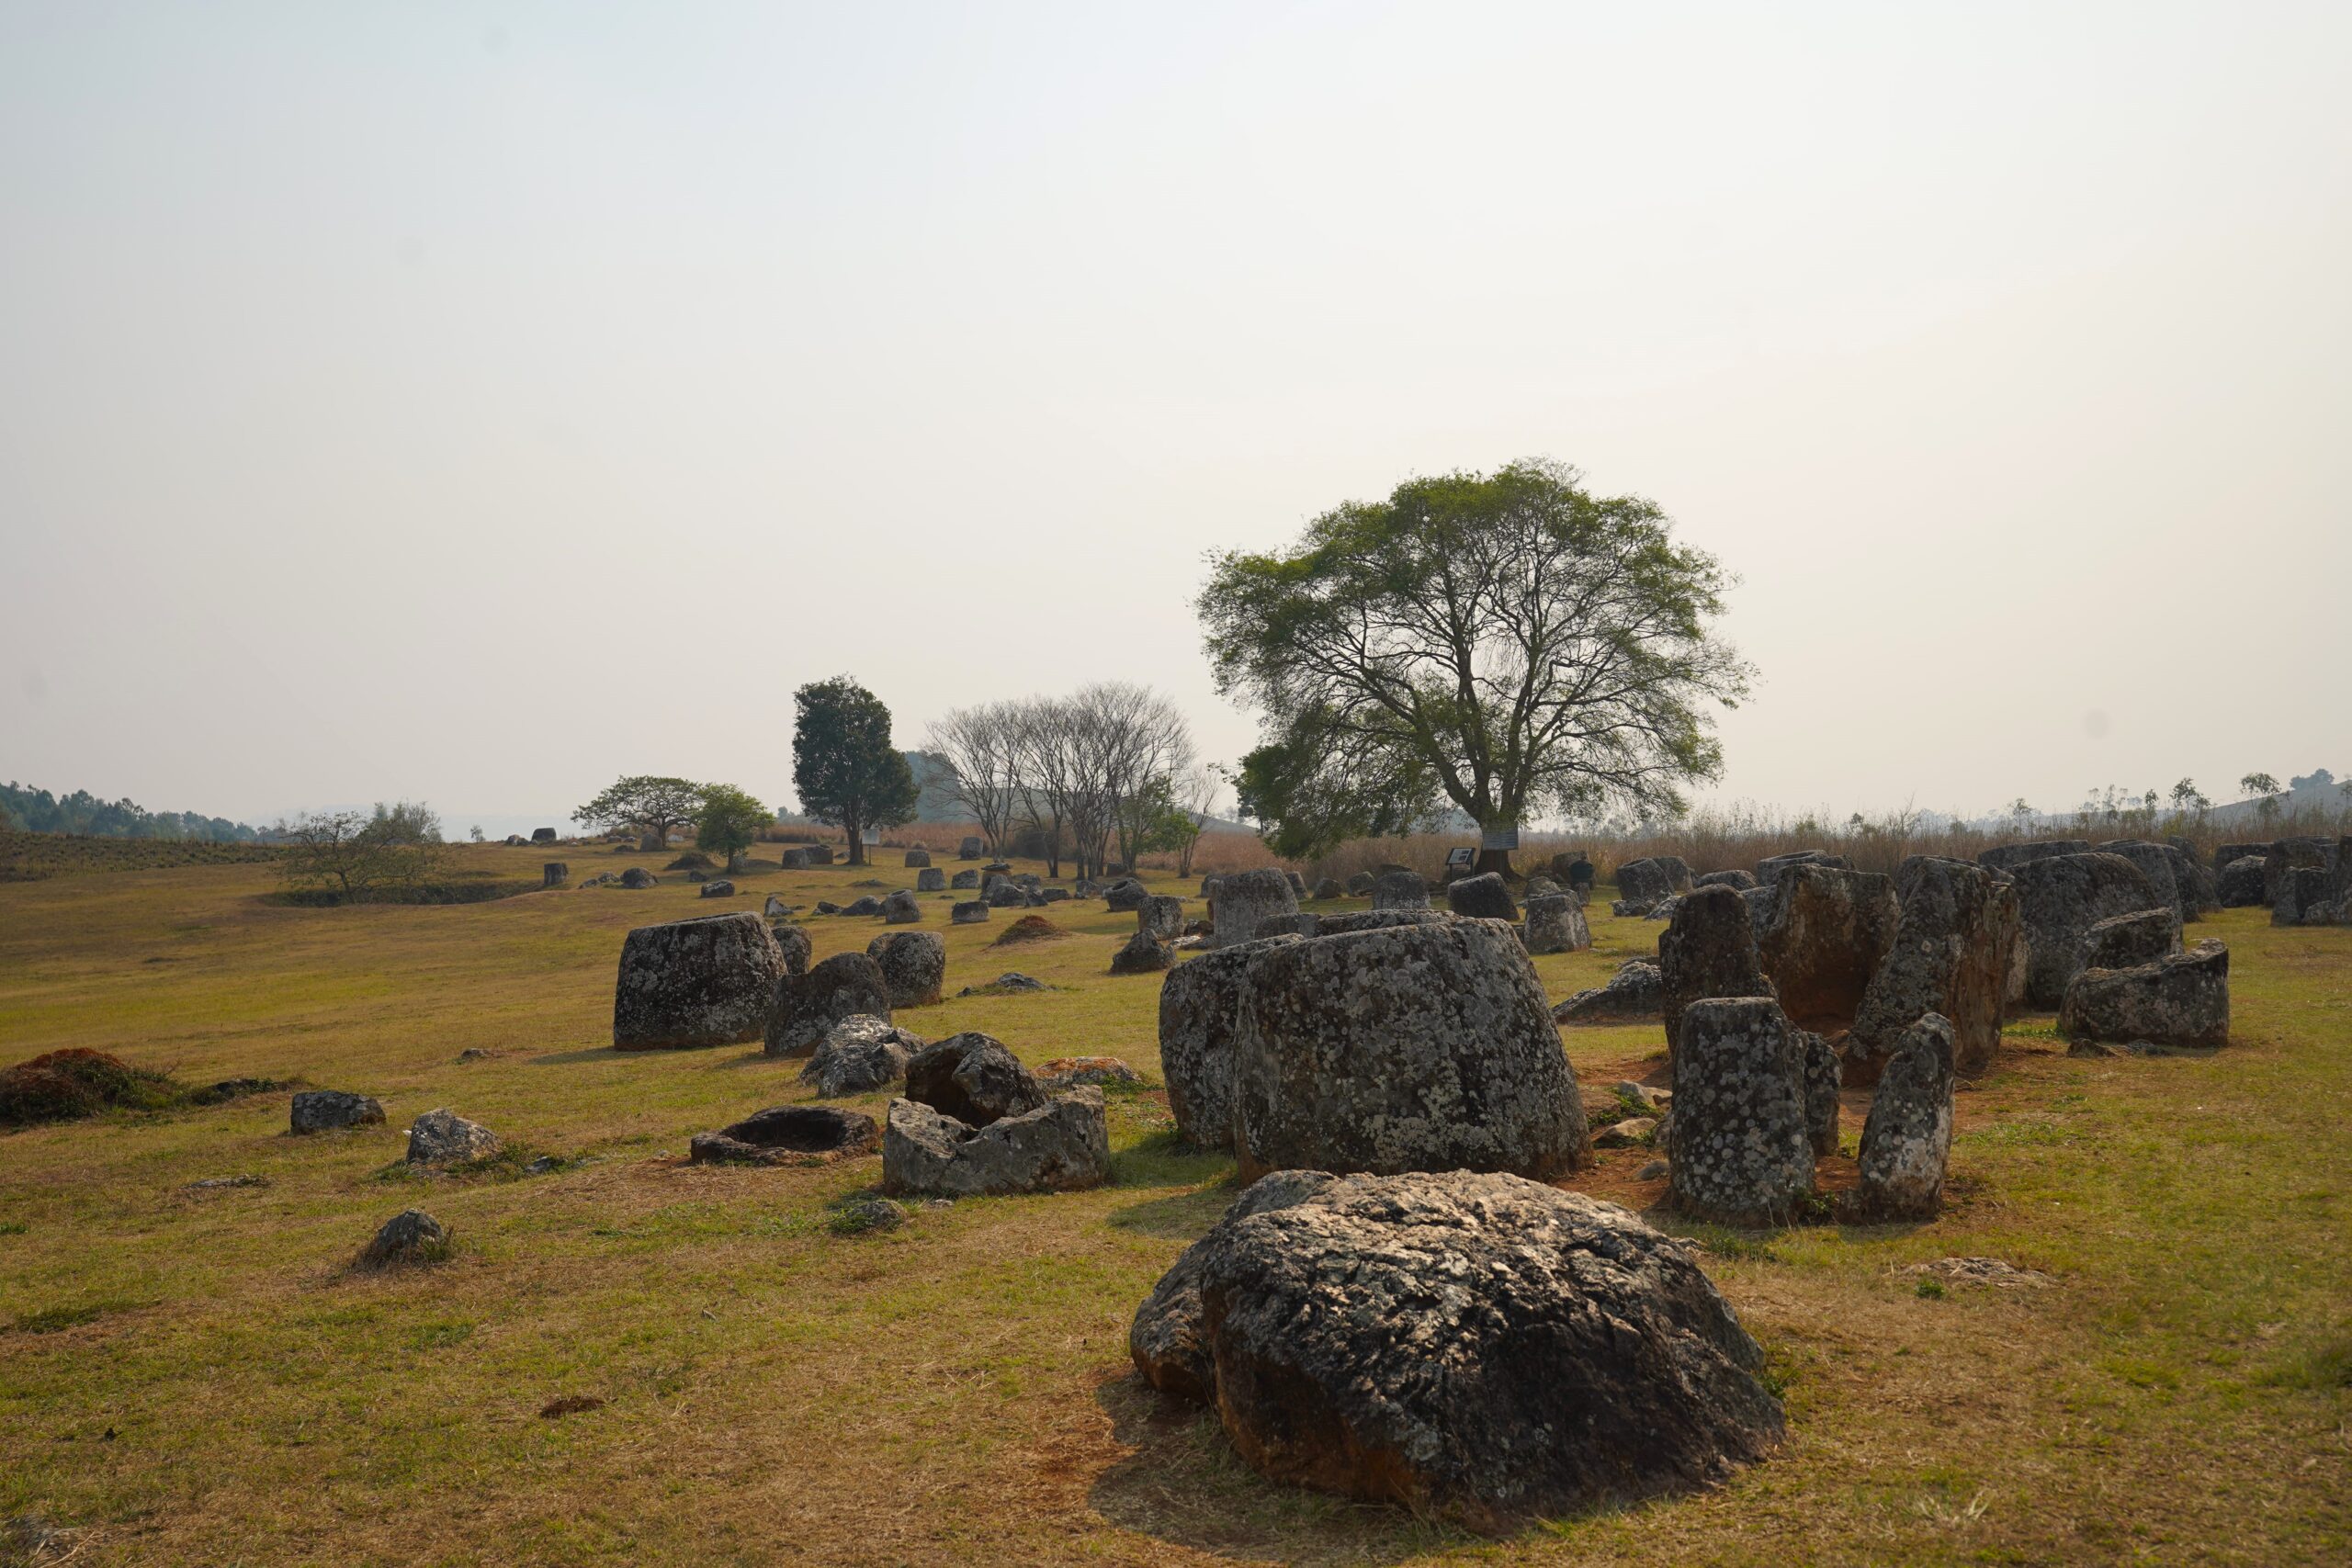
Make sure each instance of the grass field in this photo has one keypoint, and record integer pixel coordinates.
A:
(197, 1376)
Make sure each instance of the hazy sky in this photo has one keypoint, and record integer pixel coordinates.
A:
(473, 403)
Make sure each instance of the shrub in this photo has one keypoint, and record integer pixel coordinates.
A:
(66, 1086)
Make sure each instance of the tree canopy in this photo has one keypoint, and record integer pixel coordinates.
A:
(1509, 643)
(843, 767)
(730, 820)
(646, 801)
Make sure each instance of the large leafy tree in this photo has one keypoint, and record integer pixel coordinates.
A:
(730, 820)
(843, 767)
(643, 801)
(1508, 643)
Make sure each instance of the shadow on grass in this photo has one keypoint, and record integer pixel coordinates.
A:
(592, 1054)
(1184, 1216)
(1183, 1483)
(1164, 1159)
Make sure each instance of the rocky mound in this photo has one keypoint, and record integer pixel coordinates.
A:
(1029, 928)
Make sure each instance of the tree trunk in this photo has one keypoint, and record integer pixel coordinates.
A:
(856, 841)
(1496, 861)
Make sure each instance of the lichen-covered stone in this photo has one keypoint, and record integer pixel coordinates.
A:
(2158, 864)
(1143, 954)
(1707, 949)
(2240, 883)
(1474, 1347)
(1167, 1339)
(1419, 1047)
(969, 912)
(803, 1008)
(858, 1055)
(1161, 917)
(325, 1110)
(2060, 897)
(1400, 891)
(1644, 884)
(1062, 1146)
(444, 1137)
(1484, 897)
(1636, 991)
(787, 1134)
(1246, 897)
(1739, 881)
(1371, 920)
(2125, 942)
(974, 1079)
(2181, 1000)
(901, 910)
(1823, 1078)
(1830, 930)
(1742, 1143)
(918, 857)
(1955, 945)
(694, 982)
(1200, 1004)
(1907, 1139)
(1556, 924)
(411, 1236)
(637, 876)
(913, 965)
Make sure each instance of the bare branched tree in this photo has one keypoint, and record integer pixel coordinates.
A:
(984, 743)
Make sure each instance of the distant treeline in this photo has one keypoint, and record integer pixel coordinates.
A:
(38, 811)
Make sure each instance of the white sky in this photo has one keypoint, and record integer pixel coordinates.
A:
(475, 403)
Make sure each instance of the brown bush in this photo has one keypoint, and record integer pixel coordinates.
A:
(1027, 929)
(66, 1085)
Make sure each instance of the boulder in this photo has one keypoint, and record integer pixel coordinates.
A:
(1651, 880)
(1006, 893)
(970, 849)
(1907, 1137)
(1143, 954)
(931, 879)
(969, 912)
(1741, 1146)
(819, 855)
(444, 1137)
(1200, 1005)
(637, 876)
(2240, 883)
(1740, 881)
(1369, 920)
(2008, 857)
(1001, 867)
(1419, 1047)
(1297, 884)
(1556, 924)
(1708, 951)
(1061, 1146)
(554, 874)
(1360, 884)
(803, 1008)
(796, 860)
(1400, 891)
(411, 1236)
(901, 908)
(917, 858)
(964, 882)
(1209, 885)
(2181, 1000)
(1244, 899)
(787, 1134)
(1483, 898)
(1539, 885)
(1330, 887)
(325, 1110)
(858, 1055)
(1474, 1347)
(543, 835)
(1636, 991)
(2060, 897)
(826, 906)
(1161, 917)
(719, 888)
(2124, 941)
(974, 1079)
(2315, 895)
(2198, 887)
(1955, 943)
(913, 965)
(2227, 854)
(694, 982)
(1822, 1075)
(1830, 929)
(1053, 896)
(792, 942)
(1772, 868)
(775, 908)
(1124, 898)
(2157, 863)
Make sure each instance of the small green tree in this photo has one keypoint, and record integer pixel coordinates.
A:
(729, 821)
(358, 855)
(2266, 789)
(844, 769)
(643, 801)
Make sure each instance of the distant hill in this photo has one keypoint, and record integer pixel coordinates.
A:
(32, 810)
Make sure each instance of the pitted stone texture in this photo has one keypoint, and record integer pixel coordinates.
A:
(974, 1079)
(1556, 924)
(2060, 897)
(1161, 917)
(901, 908)
(1908, 1138)
(2124, 941)
(1297, 885)
(2240, 883)
(970, 849)
(1372, 920)
(1636, 991)
(804, 1008)
(1644, 884)
(1709, 949)
(409, 1236)
(1143, 954)
(1822, 1080)
(1420, 1047)
(917, 858)
(1062, 1146)
(931, 879)
(969, 912)
(963, 881)
(1830, 929)
(2008, 857)
(1006, 893)
(444, 1137)
(1476, 1347)
(913, 965)
(796, 860)
(694, 982)
(792, 942)
(1244, 899)
(1742, 1147)
(1400, 891)
(1739, 881)
(1200, 1003)
(1484, 897)
(858, 1055)
(787, 1134)
(1955, 945)
(2157, 863)
(325, 1110)
(1166, 1340)
(2182, 1001)
(637, 876)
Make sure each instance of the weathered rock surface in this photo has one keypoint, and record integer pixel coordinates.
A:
(1556, 924)
(974, 1079)
(444, 1137)
(2124, 941)
(1486, 898)
(1742, 1143)
(1371, 920)
(554, 874)
(1772, 868)
(1473, 1345)
(1642, 884)
(787, 1134)
(1330, 887)
(792, 942)
(868, 904)
(717, 887)
(917, 858)
(637, 876)
(1709, 949)
(1246, 897)
(1200, 1005)
(859, 1055)
(1955, 943)
(1360, 884)
(2181, 1000)
(411, 1236)
(2241, 882)
(1419, 1047)
(1062, 1146)
(1906, 1140)
(970, 849)
(969, 912)
(2008, 857)
(1143, 954)
(1829, 931)
(1636, 991)
(324, 1110)
(2060, 897)
(1822, 1080)
(1739, 880)
(803, 1008)
(2157, 863)
(913, 965)
(901, 910)
(1161, 917)
(1400, 891)
(931, 879)
(796, 860)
